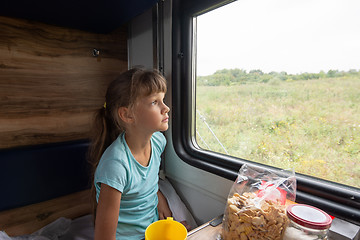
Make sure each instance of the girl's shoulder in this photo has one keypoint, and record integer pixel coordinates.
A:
(115, 156)
(116, 149)
(159, 140)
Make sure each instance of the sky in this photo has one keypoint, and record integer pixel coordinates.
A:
(294, 36)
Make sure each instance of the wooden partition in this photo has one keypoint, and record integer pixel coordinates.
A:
(28, 219)
(50, 82)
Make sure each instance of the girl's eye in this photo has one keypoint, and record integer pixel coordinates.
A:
(154, 102)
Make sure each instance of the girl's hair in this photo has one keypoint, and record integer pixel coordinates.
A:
(122, 92)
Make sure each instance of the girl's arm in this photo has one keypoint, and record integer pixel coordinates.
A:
(107, 213)
(163, 207)
(164, 210)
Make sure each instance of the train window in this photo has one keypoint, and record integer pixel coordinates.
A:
(278, 83)
(271, 83)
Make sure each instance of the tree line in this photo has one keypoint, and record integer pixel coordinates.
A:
(240, 76)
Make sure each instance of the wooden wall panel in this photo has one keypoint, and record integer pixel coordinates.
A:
(50, 83)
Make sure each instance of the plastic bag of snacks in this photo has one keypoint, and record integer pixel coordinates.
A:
(255, 206)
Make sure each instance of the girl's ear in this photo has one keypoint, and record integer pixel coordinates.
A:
(125, 114)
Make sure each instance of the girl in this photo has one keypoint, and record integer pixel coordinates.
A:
(126, 153)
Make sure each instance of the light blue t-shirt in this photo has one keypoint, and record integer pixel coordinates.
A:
(138, 184)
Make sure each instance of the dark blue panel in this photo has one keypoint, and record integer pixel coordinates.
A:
(39, 173)
(100, 16)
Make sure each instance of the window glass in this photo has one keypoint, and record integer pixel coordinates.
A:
(278, 83)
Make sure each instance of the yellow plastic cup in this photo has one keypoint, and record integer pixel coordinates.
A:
(166, 230)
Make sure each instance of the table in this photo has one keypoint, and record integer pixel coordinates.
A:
(206, 232)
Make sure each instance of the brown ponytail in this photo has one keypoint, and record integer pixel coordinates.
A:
(103, 136)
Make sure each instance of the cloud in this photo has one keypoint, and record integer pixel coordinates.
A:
(280, 35)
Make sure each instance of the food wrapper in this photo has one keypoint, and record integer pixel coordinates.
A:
(256, 205)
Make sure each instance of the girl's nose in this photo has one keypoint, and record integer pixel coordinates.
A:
(166, 109)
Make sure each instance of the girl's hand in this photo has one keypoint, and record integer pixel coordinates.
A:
(188, 227)
(163, 207)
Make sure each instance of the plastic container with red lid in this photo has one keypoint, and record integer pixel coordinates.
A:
(306, 223)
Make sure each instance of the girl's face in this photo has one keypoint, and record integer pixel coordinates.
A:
(151, 113)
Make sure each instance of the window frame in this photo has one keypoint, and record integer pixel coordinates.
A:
(337, 199)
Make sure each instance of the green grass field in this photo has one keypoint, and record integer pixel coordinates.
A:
(312, 126)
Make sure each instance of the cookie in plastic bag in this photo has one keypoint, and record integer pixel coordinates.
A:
(255, 206)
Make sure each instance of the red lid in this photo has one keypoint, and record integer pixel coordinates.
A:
(309, 216)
